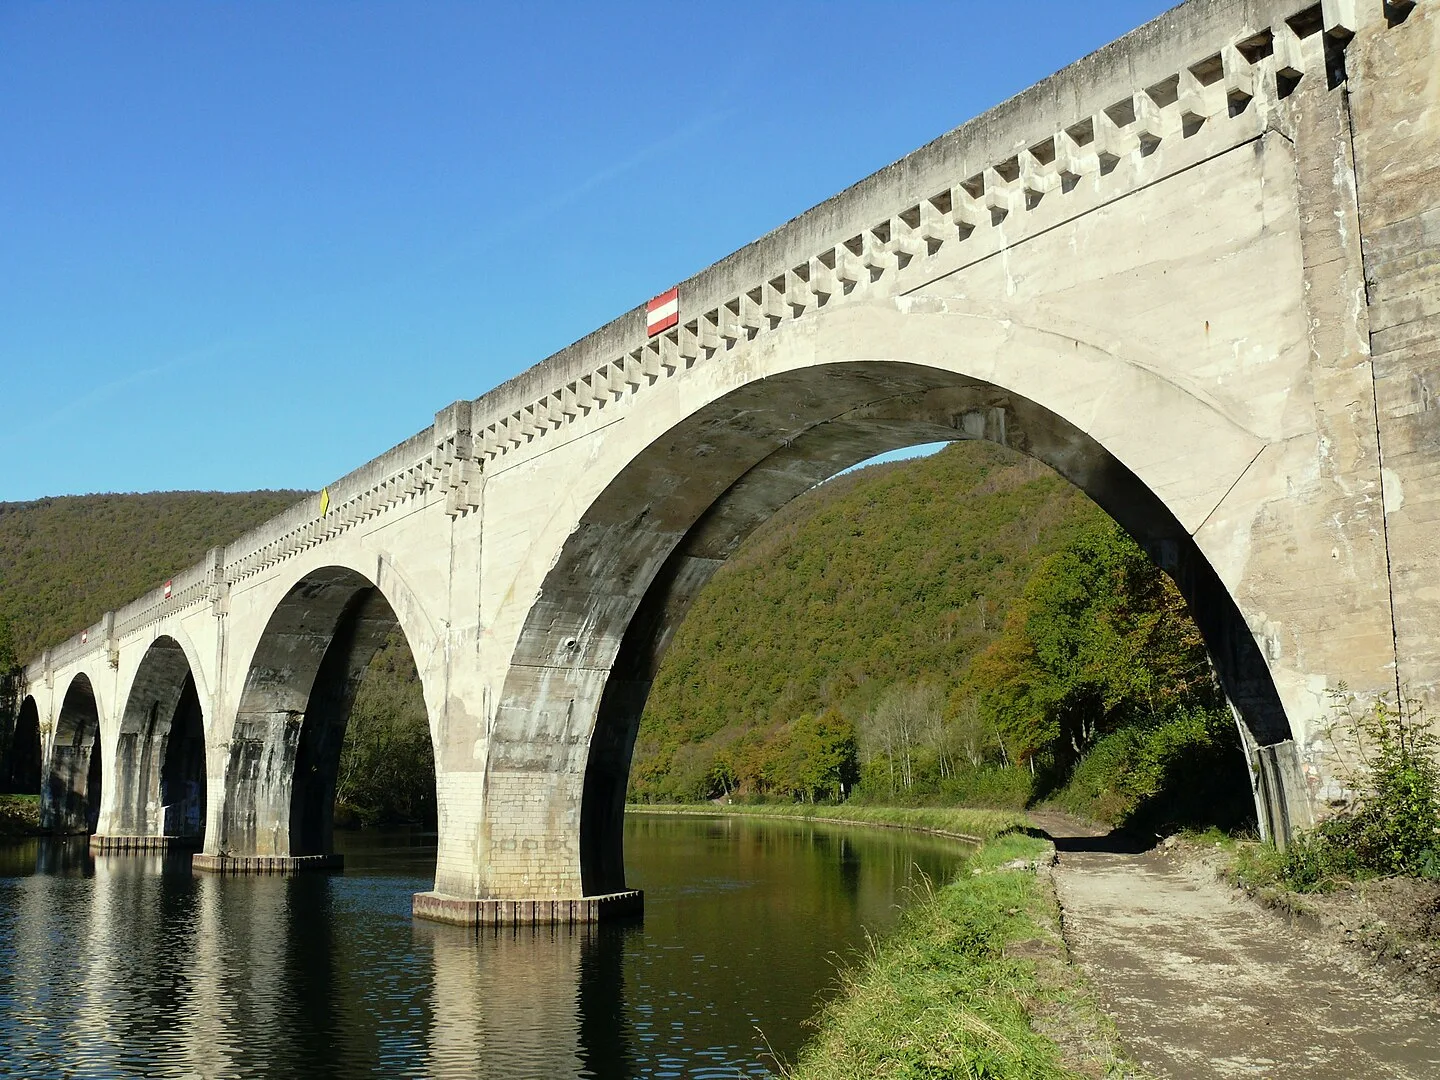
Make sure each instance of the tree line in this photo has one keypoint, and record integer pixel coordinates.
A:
(850, 635)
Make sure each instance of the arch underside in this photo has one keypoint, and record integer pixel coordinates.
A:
(25, 750)
(70, 798)
(160, 750)
(285, 747)
(628, 574)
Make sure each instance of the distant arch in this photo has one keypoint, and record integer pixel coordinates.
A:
(25, 750)
(160, 750)
(70, 797)
(284, 758)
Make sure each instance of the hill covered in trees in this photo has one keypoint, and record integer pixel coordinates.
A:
(66, 561)
(964, 628)
(891, 575)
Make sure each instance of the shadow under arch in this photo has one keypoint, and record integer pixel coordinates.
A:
(70, 797)
(284, 757)
(160, 751)
(25, 750)
(648, 544)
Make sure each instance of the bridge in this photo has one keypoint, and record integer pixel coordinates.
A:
(1196, 272)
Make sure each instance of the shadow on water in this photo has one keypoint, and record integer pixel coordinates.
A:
(135, 966)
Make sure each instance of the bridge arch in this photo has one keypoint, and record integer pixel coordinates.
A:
(819, 398)
(284, 748)
(26, 752)
(70, 797)
(159, 771)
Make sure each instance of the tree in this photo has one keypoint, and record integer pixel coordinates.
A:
(387, 764)
(969, 731)
(9, 662)
(9, 703)
(1100, 638)
(907, 717)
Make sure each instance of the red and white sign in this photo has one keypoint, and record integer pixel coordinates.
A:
(663, 312)
(167, 590)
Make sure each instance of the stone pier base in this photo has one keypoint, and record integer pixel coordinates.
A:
(148, 845)
(1282, 799)
(585, 909)
(266, 864)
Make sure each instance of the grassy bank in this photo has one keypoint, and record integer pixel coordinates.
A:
(19, 815)
(973, 981)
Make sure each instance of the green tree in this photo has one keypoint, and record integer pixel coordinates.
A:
(8, 659)
(387, 764)
(1100, 638)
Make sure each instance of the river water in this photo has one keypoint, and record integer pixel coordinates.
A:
(135, 966)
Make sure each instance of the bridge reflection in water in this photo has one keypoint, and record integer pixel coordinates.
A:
(130, 965)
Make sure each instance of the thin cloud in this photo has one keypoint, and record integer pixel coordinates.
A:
(106, 391)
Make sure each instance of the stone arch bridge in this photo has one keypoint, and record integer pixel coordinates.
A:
(1197, 272)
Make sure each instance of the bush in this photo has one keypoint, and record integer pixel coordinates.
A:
(1184, 770)
(987, 785)
(1393, 826)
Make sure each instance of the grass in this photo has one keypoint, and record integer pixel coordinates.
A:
(972, 982)
(965, 986)
(976, 826)
(19, 815)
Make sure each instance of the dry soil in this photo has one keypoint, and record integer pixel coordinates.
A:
(1203, 982)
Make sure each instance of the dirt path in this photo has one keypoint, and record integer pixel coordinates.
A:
(1203, 983)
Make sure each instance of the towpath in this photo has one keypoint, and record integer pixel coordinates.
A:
(1202, 982)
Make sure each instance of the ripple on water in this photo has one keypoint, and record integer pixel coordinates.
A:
(133, 966)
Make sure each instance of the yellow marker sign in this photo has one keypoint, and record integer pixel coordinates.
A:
(324, 501)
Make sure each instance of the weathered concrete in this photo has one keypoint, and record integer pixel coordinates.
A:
(267, 864)
(1163, 271)
(589, 909)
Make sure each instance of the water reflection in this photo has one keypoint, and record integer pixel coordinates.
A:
(131, 965)
(504, 1003)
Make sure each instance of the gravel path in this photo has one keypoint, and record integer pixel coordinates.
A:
(1202, 983)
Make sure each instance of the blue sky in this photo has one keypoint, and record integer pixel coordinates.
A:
(254, 245)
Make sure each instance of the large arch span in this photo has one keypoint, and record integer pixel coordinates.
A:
(674, 509)
(158, 787)
(70, 798)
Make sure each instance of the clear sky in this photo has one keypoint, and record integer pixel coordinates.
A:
(252, 245)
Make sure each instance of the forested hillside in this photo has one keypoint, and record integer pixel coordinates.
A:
(898, 573)
(965, 628)
(66, 561)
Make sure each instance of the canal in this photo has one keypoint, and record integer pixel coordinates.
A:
(134, 966)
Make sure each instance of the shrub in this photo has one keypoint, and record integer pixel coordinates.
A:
(1186, 769)
(1393, 824)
